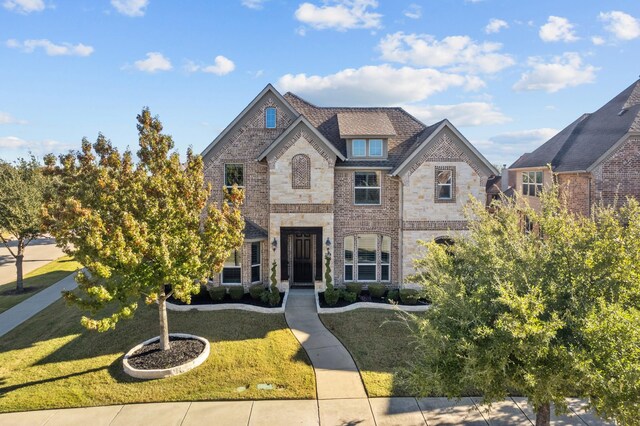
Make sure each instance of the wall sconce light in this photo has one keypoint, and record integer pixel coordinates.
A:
(274, 244)
(328, 244)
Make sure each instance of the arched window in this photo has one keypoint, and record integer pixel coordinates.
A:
(301, 172)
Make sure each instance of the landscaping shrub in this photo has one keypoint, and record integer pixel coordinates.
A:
(409, 296)
(355, 288)
(349, 296)
(256, 291)
(331, 296)
(393, 295)
(377, 290)
(217, 293)
(236, 293)
(270, 297)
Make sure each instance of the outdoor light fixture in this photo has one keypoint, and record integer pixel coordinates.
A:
(274, 244)
(328, 244)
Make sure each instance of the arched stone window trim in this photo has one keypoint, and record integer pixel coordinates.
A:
(301, 172)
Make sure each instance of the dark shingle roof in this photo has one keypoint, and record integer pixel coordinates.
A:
(407, 129)
(583, 142)
(253, 231)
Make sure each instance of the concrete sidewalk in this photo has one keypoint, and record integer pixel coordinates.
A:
(13, 317)
(37, 254)
(365, 412)
(336, 373)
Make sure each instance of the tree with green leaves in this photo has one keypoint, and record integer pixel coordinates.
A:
(139, 227)
(22, 193)
(547, 311)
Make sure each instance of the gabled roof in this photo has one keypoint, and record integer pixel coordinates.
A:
(585, 142)
(363, 124)
(300, 120)
(253, 232)
(268, 89)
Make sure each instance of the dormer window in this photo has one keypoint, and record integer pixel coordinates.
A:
(366, 148)
(270, 118)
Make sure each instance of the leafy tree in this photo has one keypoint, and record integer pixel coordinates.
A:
(22, 191)
(139, 226)
(547, 313)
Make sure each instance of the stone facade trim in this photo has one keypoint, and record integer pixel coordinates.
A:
(301, 134)
(301, 208)
(435, 225)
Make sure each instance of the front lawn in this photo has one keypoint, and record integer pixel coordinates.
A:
(51, 361)
(37, 280)
(379, 342)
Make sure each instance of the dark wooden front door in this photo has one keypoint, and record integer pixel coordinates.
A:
(302, 258)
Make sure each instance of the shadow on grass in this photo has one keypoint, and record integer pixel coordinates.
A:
(6, 389)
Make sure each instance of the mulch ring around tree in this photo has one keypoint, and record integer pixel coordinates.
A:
(14, 292)
(151, 357)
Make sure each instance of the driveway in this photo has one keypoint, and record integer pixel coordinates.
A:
(38, 253)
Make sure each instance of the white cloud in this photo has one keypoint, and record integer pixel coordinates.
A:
(130, 7)
(50, 48)
(221, 66)
(495, 26)
(340, 15)
(505, 148)
(254, 4)
(463, 114)
(371, 85)
(563, 71)
(155, 62)
(39, 147)
(414, 11)
(24, 6)
(597, 40)
(623, 26)
(557, 29)
(459, 53)
(6, 118)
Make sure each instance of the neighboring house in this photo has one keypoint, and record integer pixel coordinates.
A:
(595, 159)
(364, 184)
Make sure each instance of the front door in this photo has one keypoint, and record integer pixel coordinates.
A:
(303, 258)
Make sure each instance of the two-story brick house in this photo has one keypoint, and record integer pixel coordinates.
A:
(365, 184)
(594, 159)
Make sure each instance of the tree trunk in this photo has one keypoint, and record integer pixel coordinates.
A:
(543, 415)
(19, 278)
(164, 324)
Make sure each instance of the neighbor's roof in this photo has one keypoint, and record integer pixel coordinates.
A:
(585, 141)
(355, 124)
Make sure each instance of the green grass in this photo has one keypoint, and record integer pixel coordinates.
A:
(52, 362)
(379, 342)
(37, 280)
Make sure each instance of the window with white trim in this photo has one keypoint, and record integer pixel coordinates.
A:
(385, 259)
(234, 175)
(444, 183)
(256, 275)
(270, 118)
(232, 270)
(366, 188)
(348, 258)
(367, 248)
(367, 148)
(531, 183)
(359, 147)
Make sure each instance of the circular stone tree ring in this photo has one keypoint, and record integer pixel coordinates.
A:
(166, 372)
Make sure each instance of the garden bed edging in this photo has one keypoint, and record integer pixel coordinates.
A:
(235, 306)
(369, 305)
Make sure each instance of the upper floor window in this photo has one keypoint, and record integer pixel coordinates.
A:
(367, 148)
(531, 183)
(367, 188)
(234, 175)
(270, 118)
(445, 184)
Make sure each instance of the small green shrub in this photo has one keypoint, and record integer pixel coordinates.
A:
(348, 296)
(236, 293)
(377, 290)
(271, 297)
(217, 293)
(256, 291)
(331, 296)
(355, 288)
(393, 295)
(409, 296)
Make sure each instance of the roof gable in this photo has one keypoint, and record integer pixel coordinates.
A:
(268, 90)
(363, 124)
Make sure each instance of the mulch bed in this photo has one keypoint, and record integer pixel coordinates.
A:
(203, 298)
(150, 357)
(14, 292)
(366, 297)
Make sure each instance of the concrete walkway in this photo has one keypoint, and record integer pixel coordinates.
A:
(336, 373)
(38, 253)
(13, 317)
(380, 412)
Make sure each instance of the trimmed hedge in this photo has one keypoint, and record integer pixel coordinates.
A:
(377, 290)
(256, 291)
(409, 296)
(393, 295)
(355, 288)
(236, 293)
(217, 293)
(331, 296)
(349, 296)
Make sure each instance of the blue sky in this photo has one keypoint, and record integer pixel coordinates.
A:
(507, 73)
